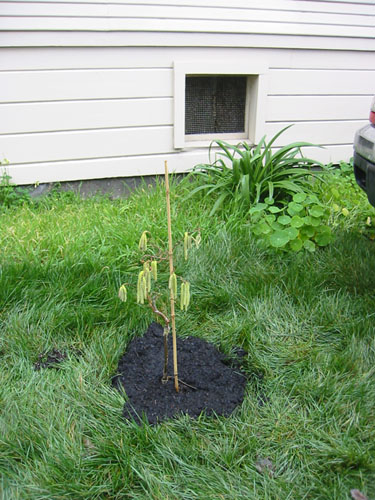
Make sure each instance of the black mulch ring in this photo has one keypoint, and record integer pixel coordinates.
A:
(53, 358)
(209, 383)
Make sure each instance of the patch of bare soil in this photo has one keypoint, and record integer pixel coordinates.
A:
(209, 382)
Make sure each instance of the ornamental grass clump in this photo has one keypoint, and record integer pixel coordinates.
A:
(148, 276)
(249, 174)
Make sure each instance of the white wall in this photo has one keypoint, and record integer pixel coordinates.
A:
(80, 112)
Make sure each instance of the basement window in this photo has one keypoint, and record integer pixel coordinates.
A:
(215, 104)
(217, 101)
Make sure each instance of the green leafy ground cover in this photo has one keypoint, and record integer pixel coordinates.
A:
(306, 428)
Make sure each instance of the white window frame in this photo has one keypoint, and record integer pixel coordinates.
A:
(256, 94)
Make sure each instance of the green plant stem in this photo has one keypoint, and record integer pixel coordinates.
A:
(171, 271)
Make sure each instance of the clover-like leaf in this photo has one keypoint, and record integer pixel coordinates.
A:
(315, 221)
(316, 211)
(273, 209)
(294, 208)
(308, 231)
(279, 239)
(257, 208)
(296, 245)
(276, 226)
(264, 228)
(309, 245)
(271, 218)
(284, 220)
(292, 232)
(299, 197)
(312, 198)
(296, 221)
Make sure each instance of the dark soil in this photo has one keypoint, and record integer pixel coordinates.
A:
(209, 382)
(53, 358)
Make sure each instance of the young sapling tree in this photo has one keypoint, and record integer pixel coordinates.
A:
(149, 275)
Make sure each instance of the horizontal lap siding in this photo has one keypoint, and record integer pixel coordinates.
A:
(318, 82)
(79, 145)
(89, 114)
(79, 58)
(324, 107)
(304, 18)
(53, 116)
(180, 26)
(86, 84)
(296, 108)
(92, 111)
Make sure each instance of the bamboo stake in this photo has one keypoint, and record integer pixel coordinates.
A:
(171, 271)
(165, 337)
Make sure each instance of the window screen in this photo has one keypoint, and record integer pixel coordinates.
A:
(215, 104)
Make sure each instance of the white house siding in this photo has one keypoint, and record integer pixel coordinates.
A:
(87, 87)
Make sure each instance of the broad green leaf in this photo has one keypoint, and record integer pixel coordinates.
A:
(279, 239)
(264, 228)
(294, 208)
(276, 226)
(292, 232)
(270, 218)
(315, 221)
(257, 208)
(316, 211)
(308, 231)
(269, 201)
(256, 217)
(273, 209)
(296, 221)
(312, 198)
(257, 229)
(299, 197)
(307, 220)
(296, 245)
(284, 220)
(309, 245)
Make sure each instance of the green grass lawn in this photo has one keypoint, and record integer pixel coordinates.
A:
(305, 319)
